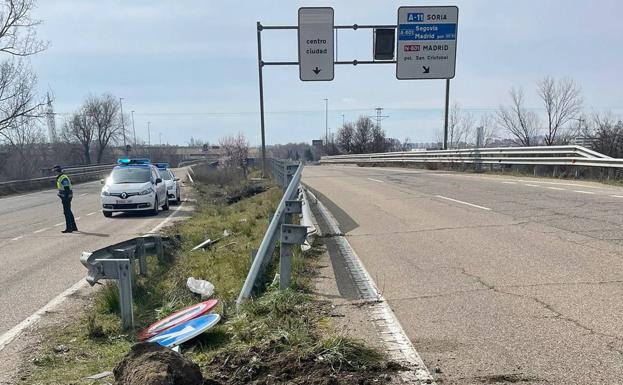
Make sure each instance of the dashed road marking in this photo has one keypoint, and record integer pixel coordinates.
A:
(84, 194)
(464, 203)
(509, 182)
(530, 185)
(89, 214)
(77, 219)
(375, 180)
(617, 196)
(41, 230)
(584, 192)
(59, 224)
(557, 188)
(17, 238)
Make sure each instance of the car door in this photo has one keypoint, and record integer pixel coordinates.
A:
(161, 188)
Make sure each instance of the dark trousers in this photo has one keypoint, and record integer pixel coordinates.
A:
(70, 222)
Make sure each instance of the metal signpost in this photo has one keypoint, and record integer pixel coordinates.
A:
(316, 46)
(427, 47)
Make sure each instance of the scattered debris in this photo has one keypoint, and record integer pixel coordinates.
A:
(60, 349)
(201, 287)
(99, 376)
(203, 245)
(151, 364)
(228, 244)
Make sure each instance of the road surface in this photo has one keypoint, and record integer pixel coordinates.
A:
(495, 279)
(39, 262)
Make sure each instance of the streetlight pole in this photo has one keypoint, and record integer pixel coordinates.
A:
(326, 121)
(343, 120)
(133, 129)
(148, 135)
(160, 138)
(125, 144)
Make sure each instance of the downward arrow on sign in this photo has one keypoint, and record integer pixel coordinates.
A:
(316, 70)
(426, 69)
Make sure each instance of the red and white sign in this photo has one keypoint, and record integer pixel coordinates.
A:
(177, 318)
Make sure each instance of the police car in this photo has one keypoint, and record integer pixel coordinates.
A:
(134, 185)
(173, 186)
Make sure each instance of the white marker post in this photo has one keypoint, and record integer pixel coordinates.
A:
(316, 43)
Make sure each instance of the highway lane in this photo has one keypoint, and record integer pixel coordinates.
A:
(493, 278)
(39, 262)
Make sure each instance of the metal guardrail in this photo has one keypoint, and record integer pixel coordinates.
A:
(279, 229)
(118, 262)
(75, 172)
(547, 155)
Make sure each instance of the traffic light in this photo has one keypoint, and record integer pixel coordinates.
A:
(384, 43)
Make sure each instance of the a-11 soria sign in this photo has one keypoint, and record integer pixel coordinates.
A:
(426, 42)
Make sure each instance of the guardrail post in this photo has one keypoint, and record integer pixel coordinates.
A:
(139, 252)
(290, 235)
(124, 270)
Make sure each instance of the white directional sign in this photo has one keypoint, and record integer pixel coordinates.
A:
(426, 42)
(316, 43)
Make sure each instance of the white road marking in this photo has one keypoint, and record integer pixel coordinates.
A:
(617, 196)
(17, 238)
(89, 214)
(41, 230)
(16, 330)
(509, 182)
(530, 185)
(59, 224)
(464, 203)
(583, 192)
(557, 188)
(84, 194)
(398, 344)
(375, 180)
(78, 218)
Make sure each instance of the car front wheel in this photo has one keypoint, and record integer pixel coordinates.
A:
(154, 210)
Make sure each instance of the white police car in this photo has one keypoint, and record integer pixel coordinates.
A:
(173, 186)
(134, 185)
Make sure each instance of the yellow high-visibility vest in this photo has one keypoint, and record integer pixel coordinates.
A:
(59, 182)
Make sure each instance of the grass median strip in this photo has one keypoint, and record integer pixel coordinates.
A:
(280, 336)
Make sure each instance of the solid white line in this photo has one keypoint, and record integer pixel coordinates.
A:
(59, 224)
(557, 188)
(17, 238)
(41, 230)
(617, 196)
(464, 203)
(375, 180)
(583, 192)
(89, 214)
(530, 185)
(16, 330)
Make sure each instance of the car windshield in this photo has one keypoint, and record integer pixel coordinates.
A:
(130, 175)
(165, 174)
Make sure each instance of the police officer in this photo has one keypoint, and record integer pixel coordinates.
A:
(63, 184)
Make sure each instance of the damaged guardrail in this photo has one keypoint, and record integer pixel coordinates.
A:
(118, 262)
(280, 229)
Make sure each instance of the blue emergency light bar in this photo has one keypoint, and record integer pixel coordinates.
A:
(127, 162)
(162, 166)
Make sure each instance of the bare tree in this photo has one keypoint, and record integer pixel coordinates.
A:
(18, 39)
(460, 127)
(379, 140)
(404, 146)
(362, 137)
(345, 137)
(103, 114)
(78, 129)
(24, 139)
(520, 123)
(487, 122)
(236, 151)
(562, 101)
(606, 134)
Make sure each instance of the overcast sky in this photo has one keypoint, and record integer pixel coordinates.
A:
(190, 66)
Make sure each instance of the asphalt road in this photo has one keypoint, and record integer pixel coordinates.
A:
(495, 279)
(38, 262)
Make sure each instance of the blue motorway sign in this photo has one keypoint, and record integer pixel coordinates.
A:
(426, 46)
(183, 332)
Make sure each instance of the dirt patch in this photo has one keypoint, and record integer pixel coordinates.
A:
(270, 364)
(151, 364)
(246, 192)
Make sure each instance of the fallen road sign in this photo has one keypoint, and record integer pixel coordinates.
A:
(188, 330)
(177, 318)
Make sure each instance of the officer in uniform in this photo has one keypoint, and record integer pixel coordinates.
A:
(63, 184)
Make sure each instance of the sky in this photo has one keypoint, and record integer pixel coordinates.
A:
(190, 66)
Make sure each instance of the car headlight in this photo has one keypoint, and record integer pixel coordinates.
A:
(147, 192)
